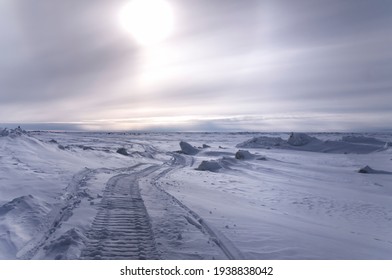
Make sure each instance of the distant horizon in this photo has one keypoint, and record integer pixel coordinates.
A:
(55, 127)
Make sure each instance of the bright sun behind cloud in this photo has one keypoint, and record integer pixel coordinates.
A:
(148, 21)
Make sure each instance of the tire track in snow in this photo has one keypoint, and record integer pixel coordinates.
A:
(121, 228)
(227, 247)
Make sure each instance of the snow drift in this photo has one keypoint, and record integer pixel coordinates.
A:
(20, 219)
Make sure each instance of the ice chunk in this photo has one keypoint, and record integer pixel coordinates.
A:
(211, 165)
(122, 151)
(188, 149)
(244, 155)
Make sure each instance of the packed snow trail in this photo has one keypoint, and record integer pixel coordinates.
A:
(225, 245)
(122, 229)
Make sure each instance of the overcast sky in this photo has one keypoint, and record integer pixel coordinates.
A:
(229, 65)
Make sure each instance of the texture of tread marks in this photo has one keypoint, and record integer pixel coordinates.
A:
(121, 228)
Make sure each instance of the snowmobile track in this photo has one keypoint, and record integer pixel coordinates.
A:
(121, 228)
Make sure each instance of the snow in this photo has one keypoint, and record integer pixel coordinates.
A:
(73, 196)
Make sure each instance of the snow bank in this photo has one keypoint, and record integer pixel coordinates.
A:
(188, 149)
(210, 165)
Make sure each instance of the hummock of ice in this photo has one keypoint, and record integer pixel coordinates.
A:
(12, 132)
(262, 141)
(244, 154)
(122, 151)
(188, 149)
(300, 139)
(304, 142)
(295, 139)
(209, 165)
(366, 169)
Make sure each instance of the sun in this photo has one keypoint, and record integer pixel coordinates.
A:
(148, 21)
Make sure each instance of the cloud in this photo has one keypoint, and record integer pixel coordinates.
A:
(69, 62)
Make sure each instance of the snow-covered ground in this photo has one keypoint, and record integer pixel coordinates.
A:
(195, 195)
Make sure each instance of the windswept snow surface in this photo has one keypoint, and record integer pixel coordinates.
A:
(280, 196)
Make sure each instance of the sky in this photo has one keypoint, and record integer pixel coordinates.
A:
(228, 65)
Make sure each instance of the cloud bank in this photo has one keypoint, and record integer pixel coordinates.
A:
(230, 65)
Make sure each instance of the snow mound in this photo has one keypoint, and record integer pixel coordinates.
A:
(262, 142)
(20, 219)
(21, 205)
(209, 165)
(18, 137)
(188, 149)
(300, 139)
(244, 155)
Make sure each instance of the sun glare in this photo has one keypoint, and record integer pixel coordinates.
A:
(148, 21)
